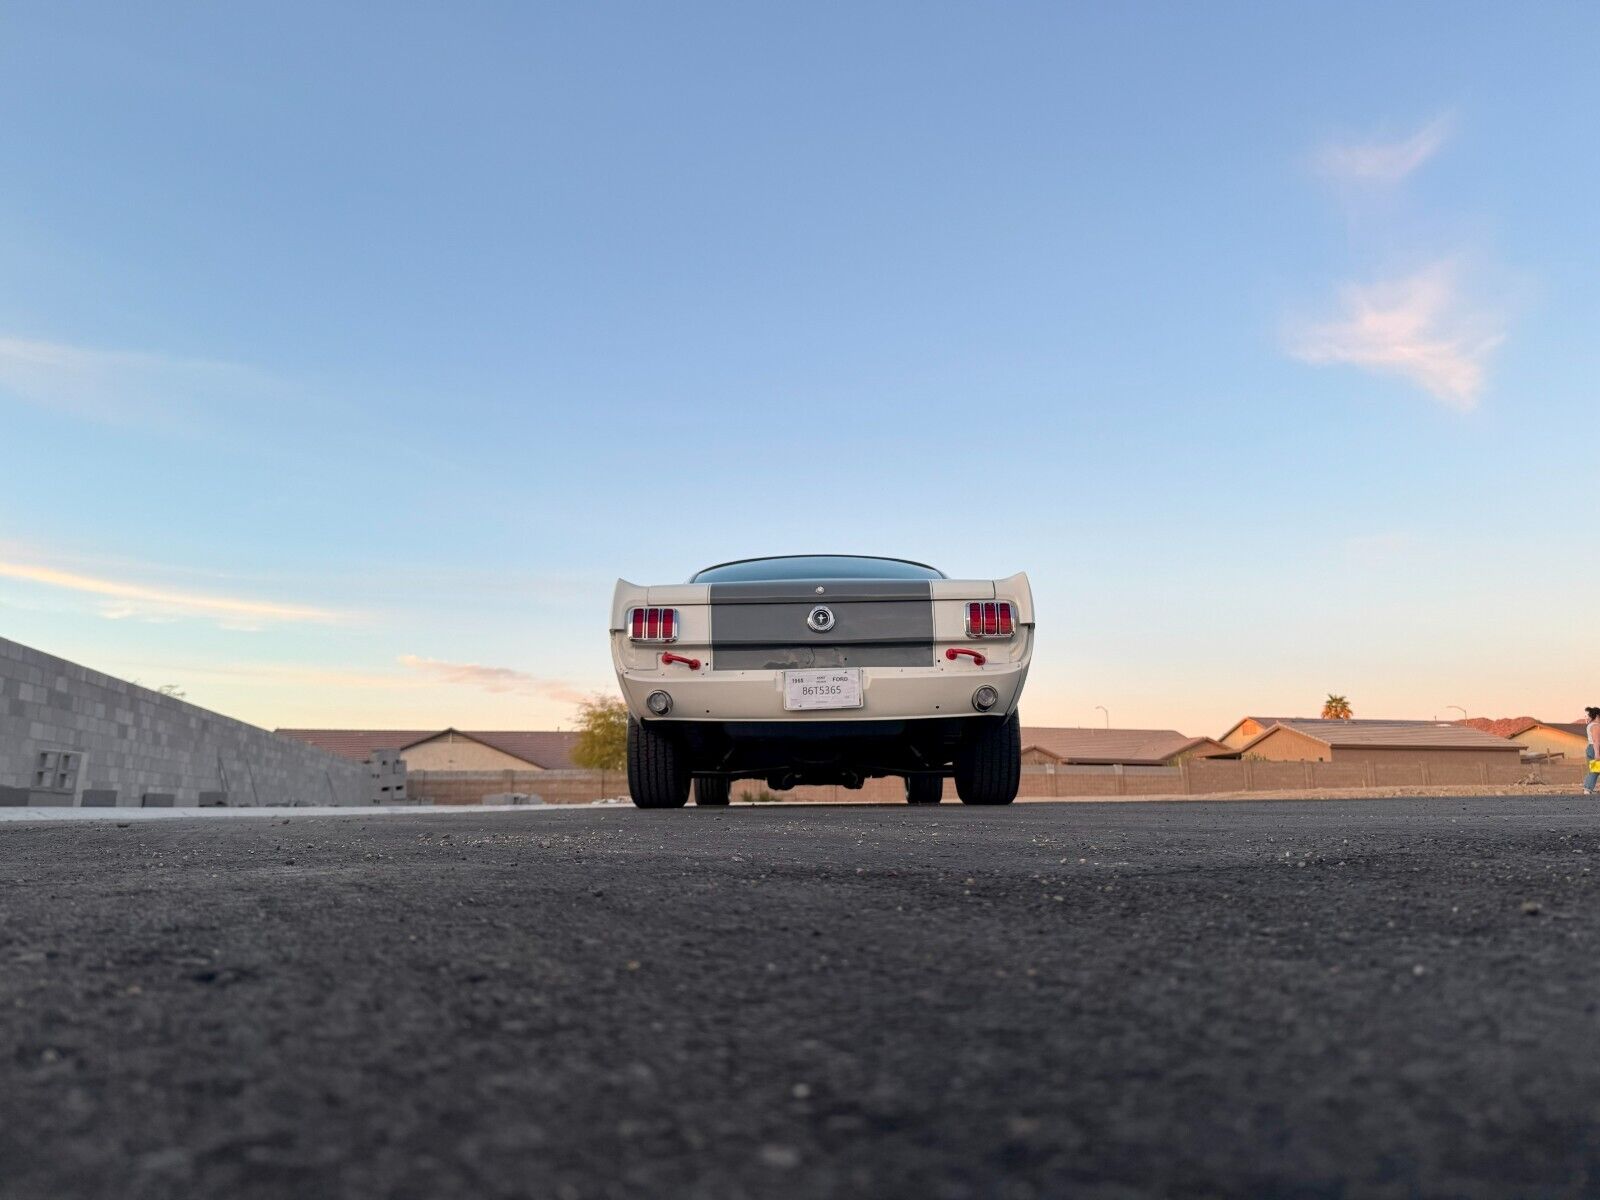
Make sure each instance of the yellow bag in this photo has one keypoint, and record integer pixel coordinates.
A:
(1594, 766)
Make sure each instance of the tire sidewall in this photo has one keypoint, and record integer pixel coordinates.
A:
(989, 766)
(658, 770)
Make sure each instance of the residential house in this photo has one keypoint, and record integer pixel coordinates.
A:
(1113, 747)
(1247, 729)
(1303, 739)
(448, 749)
(1542, 741)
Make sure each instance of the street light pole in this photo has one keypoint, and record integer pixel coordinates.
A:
(1104, 709)
(1459, 709)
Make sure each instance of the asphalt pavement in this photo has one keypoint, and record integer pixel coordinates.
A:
(1307, 999)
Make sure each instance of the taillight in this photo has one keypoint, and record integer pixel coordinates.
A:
(653, 624)
(991, 619)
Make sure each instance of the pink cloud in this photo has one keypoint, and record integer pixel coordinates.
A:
(1418, 328)
(500, 680)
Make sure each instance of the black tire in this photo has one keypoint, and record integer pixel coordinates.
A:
(924, 789)
(989, 764)
(658, 771)
(712, 791)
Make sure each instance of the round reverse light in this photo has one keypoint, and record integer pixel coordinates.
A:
(985, 698)
(661, 704)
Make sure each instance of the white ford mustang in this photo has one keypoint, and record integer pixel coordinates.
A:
(822, 669)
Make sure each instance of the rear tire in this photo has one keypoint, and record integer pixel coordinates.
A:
(989, 764)
(924, 789)
(658, 770)
(712, 791)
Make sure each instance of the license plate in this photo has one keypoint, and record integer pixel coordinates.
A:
(822, 689)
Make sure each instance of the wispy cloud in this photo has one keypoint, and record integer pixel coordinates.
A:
(1383, 161)
(501, 680)
(1419, 327)
(277, 674)
(121, 599)
(120, 386)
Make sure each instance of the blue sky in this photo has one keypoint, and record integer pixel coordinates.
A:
(347, 355)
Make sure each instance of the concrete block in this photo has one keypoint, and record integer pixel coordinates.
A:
(157, 800)
(99, 797)
(13, 797)
(39, 798)
(213, 799)
(139, 742)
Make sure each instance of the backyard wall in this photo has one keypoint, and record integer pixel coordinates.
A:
(553, 787)
(1197, 777)
(102, 741)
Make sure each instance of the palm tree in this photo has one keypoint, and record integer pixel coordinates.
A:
(1336, 708)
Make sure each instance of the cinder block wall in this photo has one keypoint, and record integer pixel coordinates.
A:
(135, 740)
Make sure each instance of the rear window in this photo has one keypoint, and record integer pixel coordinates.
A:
(815, 566)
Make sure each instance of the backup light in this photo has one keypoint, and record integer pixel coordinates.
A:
(985, 698)
(991, 619)
(659, 703)
(653, 624)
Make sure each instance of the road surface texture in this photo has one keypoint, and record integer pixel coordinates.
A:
(1380, 998)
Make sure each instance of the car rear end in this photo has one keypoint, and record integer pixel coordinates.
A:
(834, 651)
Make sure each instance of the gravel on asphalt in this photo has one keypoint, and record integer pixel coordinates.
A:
(1374, 998)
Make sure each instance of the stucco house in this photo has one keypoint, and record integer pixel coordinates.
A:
(448, 749)
(1114, 747)
(1247, 729)
(1304, 739)
(1542, 741)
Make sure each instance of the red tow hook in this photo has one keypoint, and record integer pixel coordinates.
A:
(956, 652)
(669, 657)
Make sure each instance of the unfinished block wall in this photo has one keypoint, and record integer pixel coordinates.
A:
(66, 730)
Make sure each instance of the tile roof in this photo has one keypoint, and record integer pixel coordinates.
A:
(1392, 735)
(543, 748)
(547, 748)
(1136, 747)
(1264, 722)
(1506, 727)
(1510, 727)
(358, 744)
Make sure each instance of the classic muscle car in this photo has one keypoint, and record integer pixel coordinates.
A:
(822, 669)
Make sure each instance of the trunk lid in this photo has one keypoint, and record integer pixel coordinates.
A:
(861, 623)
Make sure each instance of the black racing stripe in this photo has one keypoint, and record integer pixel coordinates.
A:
(876, 623)
(854, 623)
(795, 591)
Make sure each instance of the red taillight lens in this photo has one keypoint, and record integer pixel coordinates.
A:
(653, 624)
(995, 619)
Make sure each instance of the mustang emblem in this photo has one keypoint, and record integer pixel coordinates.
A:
(820, 618)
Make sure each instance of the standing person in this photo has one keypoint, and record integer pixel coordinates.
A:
(1592, 736)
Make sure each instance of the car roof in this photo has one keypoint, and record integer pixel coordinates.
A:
(734, 562)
